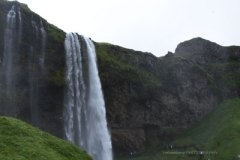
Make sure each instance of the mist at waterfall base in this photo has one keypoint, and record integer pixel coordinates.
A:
(85, 115)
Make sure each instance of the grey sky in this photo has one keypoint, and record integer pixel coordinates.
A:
(155, 26)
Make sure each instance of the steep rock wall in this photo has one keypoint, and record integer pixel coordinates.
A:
(50, 80)
(149, 98)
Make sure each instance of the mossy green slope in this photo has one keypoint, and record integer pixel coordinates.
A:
(20, 141)
(218, 135)
(219, 132)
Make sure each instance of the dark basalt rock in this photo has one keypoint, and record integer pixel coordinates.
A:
(50, 82)
(202, 51)
(180, 94)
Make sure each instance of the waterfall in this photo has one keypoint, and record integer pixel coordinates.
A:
(85, 115)
(9, 48)
(42, 40)
(35, 28)
(12, 33)
(12, 42)
(43, 45)
(74, 99)
(20, 27)
(35, 64)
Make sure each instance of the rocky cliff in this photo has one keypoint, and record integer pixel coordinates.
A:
(180, 89)
(148, 98)
(36, 95)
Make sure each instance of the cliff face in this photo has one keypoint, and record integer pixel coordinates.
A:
(202, 51)
(184, 87)
(221, 63)
(147, 98)
(36, 74)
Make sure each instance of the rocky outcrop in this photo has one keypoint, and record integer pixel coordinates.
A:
(153, 96)
(187, 86)
(221, 63)
(202, 51)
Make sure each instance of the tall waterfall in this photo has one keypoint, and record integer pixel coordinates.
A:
(12, 39)
(85, 115)
(9, 47)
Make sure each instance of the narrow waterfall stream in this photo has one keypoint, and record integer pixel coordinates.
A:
(12, 38)
(10, 47)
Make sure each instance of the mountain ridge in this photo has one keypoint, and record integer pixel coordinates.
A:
(201, 51)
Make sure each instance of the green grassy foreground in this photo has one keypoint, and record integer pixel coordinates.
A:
(217, 135)
(20, 141)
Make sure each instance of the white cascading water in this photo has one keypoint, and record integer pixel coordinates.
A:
(41, 33)
(34, 28)
(43, 44)
(85, 115)
(12, 39)
(9, 47)
(20, 26)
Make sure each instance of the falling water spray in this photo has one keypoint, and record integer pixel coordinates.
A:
(85, 115)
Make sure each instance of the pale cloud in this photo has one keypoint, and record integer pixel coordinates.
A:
(155, 26)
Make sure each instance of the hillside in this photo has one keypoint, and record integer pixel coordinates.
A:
(217, 135)
(19, 140)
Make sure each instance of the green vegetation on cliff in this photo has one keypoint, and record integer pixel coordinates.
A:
(217, 135)
(227, 75)
(20, 141)
(219, 132)
(110, 62)
(55, 59)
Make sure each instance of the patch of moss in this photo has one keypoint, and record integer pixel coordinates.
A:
(58, 78)
(109, 63)
(55, 33)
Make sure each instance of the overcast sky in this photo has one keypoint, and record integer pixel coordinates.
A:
(155, 26)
